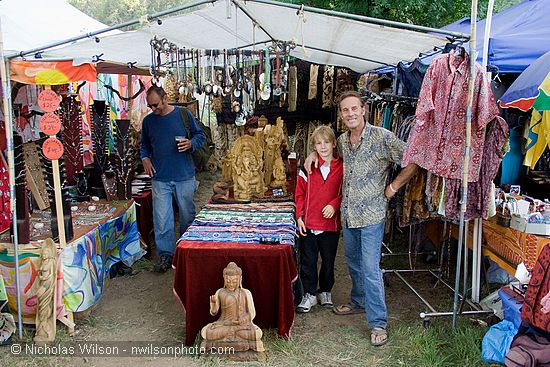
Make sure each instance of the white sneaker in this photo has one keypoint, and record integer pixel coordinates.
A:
(308, 301)
(325, 299)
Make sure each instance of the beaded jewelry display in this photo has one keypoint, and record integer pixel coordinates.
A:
(101, 118)
(22, 200)
(123, 152)
(71, 118)
(5, 216)
(110, 184)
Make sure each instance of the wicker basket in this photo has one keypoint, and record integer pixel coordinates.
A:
(503, 220)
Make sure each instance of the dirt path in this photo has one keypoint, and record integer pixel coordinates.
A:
(143, 308)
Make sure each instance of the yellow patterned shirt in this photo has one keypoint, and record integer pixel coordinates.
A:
(365, 175)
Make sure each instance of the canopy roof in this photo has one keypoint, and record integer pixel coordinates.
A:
(519, 35)
(27, 24)
(327, 39)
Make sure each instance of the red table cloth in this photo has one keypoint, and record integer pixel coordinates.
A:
(268, 272)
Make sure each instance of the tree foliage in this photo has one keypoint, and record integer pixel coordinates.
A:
(433, 13)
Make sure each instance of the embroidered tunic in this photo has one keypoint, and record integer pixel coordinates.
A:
(438, 137)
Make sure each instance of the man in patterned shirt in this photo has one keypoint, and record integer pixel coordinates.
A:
(368, 153)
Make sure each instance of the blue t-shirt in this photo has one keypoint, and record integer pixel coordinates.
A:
(158, 142)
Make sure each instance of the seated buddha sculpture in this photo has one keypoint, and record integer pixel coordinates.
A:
(234, 328)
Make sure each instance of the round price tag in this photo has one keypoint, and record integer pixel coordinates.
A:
(50, 123)
(48, 100)
(52, 148)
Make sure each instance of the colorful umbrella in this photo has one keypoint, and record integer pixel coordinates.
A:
(538, 137)
(532, 84)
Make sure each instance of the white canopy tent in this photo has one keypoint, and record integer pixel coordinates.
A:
(28, 24)
(322, 37)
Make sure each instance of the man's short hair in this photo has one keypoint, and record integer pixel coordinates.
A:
(157, 89)
(349, 93)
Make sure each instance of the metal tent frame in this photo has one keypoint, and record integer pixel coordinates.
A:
(241, 4)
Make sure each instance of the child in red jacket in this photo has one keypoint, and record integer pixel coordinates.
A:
(318, 198)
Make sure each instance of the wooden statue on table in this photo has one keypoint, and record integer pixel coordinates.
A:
(247, 168)
(47, 278)
(273, 135)
(234, 331)
(279, 174)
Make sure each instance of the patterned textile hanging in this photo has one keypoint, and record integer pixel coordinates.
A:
(313, 74)
(328, 89)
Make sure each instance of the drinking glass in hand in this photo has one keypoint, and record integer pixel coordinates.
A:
(179, 140)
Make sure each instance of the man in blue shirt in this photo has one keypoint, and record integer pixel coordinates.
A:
(166, 155)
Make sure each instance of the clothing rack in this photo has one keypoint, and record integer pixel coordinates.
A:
(396, 97)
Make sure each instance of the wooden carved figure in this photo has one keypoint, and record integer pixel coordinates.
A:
(247, 168)
(47, 278)
(234, 330)
(273, 136)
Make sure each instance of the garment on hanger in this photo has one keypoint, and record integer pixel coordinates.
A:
(437, 139)
(410, 77)
(479, 192)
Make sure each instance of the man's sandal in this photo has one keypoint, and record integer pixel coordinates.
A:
(347, 309)
(378, 337)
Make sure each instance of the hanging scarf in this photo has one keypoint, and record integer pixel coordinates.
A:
(292, 88)
(313, 73)
(328, 90)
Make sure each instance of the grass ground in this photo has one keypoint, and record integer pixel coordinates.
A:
(141, 307)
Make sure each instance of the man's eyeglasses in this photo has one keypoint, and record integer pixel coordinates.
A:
(152, 105)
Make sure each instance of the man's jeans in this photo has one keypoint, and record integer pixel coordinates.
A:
(363, 250)
(163, 212)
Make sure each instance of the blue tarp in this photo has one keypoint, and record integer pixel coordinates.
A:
(519, 35)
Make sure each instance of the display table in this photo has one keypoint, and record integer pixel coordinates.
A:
(144, 213)
(268, 272)
(504, 245)
(82, 266)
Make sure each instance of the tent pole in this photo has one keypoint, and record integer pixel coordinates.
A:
(466, 164)
(487, 35)
(363, 18)
(8, 118)
(346, 55)
(478, 224)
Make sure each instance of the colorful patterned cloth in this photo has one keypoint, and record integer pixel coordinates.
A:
(437, 139)
(244, 223)
(83, 266)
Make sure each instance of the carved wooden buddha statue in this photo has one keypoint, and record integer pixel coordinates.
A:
(234, 329)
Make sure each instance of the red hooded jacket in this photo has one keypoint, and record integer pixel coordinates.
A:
(313, 193)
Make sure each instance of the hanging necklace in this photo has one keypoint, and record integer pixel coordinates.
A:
(100, 131)
(71, 119)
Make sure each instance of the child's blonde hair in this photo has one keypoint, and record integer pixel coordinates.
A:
(323, 131)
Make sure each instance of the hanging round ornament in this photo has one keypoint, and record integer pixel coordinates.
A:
(48, 100)
(52, 148)
(50, 123)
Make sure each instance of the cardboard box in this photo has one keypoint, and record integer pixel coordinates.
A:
(520, 224)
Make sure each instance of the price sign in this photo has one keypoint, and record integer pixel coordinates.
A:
(48, 100)
(50, 123)
(52, 148)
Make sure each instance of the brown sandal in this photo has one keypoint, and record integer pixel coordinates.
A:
(347, 309)
(378, 337)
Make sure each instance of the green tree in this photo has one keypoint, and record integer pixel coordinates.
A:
(433, 13)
